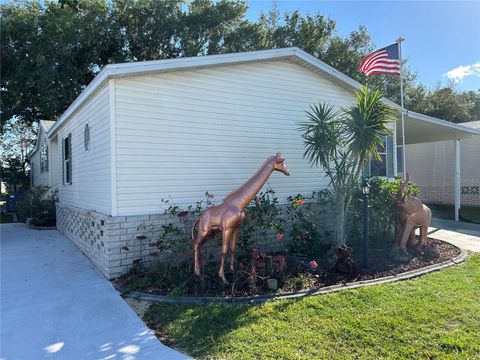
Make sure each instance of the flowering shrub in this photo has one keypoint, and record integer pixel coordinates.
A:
(306, 237)
(261, 221)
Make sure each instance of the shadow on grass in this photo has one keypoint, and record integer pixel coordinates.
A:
(197, 328)
(443, 302)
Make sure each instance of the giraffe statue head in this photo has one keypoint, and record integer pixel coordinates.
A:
(279, 164)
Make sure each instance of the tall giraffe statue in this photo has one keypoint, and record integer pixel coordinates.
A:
(228, 216)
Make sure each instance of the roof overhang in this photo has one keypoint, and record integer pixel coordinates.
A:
(421, 128)
(425, 128)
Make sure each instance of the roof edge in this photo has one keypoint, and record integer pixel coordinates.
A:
(445, 123)
(111, 71)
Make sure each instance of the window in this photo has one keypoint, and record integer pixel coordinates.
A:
(384, 166)
(67, 159)
(44, 157)
(86, 137)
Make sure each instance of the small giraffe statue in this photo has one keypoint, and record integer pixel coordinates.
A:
(228, 216)
(411, 214)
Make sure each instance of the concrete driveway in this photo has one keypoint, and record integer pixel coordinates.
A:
(56, 305)
(462, 234)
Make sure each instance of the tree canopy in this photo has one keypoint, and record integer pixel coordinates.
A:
(52, 50)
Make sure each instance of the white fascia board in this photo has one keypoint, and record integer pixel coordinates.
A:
(436, 121)
(37, 141)
(157, 66)
(84, 95)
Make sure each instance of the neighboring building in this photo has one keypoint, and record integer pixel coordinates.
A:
(40, 171)
(432, 166)
(176, 128)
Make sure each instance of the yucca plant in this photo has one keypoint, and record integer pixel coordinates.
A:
(343, 141)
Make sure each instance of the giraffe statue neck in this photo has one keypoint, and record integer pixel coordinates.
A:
(243, 195)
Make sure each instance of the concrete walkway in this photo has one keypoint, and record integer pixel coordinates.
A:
(56, 305)
(462, 234)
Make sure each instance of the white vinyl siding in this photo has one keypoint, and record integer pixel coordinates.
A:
(90, 188)
(182, 133)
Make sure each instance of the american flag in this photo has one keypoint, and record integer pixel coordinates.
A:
(382, 61)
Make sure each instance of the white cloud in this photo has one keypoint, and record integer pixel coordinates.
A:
(460, 72)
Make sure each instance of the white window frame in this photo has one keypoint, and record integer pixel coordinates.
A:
(386, 153)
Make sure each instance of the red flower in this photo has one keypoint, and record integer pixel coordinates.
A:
(255, 254)
(182, 214)
(279, 236)
(258, 200)
(313, 264)
(301, 202)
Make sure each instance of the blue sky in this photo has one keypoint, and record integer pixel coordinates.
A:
(440, 36)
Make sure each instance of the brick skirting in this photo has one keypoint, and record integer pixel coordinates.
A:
(114, 244)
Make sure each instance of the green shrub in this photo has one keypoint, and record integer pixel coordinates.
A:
(382, 213)
(38, 203)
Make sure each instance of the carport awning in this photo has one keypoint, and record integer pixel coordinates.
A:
(422, 128)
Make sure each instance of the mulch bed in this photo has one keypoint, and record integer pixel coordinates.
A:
(298, 275)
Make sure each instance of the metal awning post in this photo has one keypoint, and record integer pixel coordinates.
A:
(457, 179)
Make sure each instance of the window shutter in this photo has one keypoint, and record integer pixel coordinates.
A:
(70, 158)
(32, 173)
(390, 170)
(63, 161)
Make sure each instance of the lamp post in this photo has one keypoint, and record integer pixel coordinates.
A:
(365, 191)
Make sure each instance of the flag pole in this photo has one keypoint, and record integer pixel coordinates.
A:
(399, 41)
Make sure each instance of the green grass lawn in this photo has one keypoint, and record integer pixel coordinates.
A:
(434, 316)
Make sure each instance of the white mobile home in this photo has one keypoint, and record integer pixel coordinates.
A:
(176, 128)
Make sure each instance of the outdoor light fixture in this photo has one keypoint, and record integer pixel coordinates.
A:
(365, 191)
(365, 186)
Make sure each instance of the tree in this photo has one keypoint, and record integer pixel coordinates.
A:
(18, 141)
(448, 104)
(50, 52)
(343, 141)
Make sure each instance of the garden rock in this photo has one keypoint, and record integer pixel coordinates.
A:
(399, 254)
(272, 284)
(431, 252)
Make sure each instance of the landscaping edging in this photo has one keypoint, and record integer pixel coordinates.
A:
(198, 300)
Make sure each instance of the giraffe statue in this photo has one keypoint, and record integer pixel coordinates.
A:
(228, 216)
